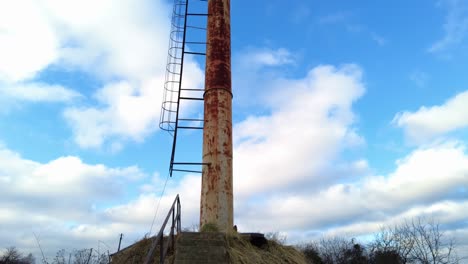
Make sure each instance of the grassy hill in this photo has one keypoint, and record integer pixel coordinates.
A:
(239, 251)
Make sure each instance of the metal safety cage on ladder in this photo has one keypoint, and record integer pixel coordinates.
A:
(174, 91)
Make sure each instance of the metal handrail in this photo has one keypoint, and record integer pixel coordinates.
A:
(175, 226)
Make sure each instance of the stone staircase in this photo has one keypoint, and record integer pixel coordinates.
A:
(201, 248)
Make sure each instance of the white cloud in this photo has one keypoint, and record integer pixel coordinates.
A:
(123, 46)
(455, 26)
(58, 200)
(142, 209)
(38, 92)
(135, 53)
(66, 179)
(361, 165)
(287, 159)
(288, 176)
(28, 42)
(447, 213)
(424, 183)
(430, 122)
(125, 112)
(331, 90)
(311, 122)
(112, 41)
(127, 40)
(285, 163)
(256, 58)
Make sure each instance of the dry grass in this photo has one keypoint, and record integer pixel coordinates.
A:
(136, 254)
(242, 251)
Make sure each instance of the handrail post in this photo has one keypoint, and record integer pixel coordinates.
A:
(160, 236)
(179, 228)
(161, 249)
(173, 227)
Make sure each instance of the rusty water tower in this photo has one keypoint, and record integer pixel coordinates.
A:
(216, 205)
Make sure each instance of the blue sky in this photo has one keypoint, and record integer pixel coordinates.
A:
(348, 115)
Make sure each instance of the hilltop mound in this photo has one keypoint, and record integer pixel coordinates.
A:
(205, 247)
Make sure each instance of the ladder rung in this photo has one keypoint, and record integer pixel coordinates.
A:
(191, 98)
(195, 90)
(188, 127)
(197, 14)
(195, 53)
(190, 171)
(190, 163)
(191, 119)
(200, 28)
(195, 42)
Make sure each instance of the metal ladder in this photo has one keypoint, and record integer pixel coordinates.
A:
(175, 94)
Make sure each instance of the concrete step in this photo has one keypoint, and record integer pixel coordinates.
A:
(201, 248)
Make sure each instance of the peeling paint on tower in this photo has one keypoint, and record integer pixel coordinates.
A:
(217, 190)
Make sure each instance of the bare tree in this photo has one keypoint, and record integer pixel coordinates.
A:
(311, 253)
(82, 256)
(101, 259)
(339, 250)
(60, 257)
(277, 237)
(393, 240)
(419, 241)
(430, 245)
(29, 259)
(13, 256)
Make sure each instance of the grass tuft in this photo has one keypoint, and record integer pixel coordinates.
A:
(209, 227)
(241, 251)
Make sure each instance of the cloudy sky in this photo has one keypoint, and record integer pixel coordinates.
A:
(348, 115)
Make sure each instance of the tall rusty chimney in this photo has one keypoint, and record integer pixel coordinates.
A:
(217, 194)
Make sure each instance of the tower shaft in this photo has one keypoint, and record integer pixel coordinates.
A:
(217, 188)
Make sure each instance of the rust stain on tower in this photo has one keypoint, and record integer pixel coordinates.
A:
(217, 192)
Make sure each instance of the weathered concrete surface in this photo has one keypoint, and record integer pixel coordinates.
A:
(201, 248)
(217, 191)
